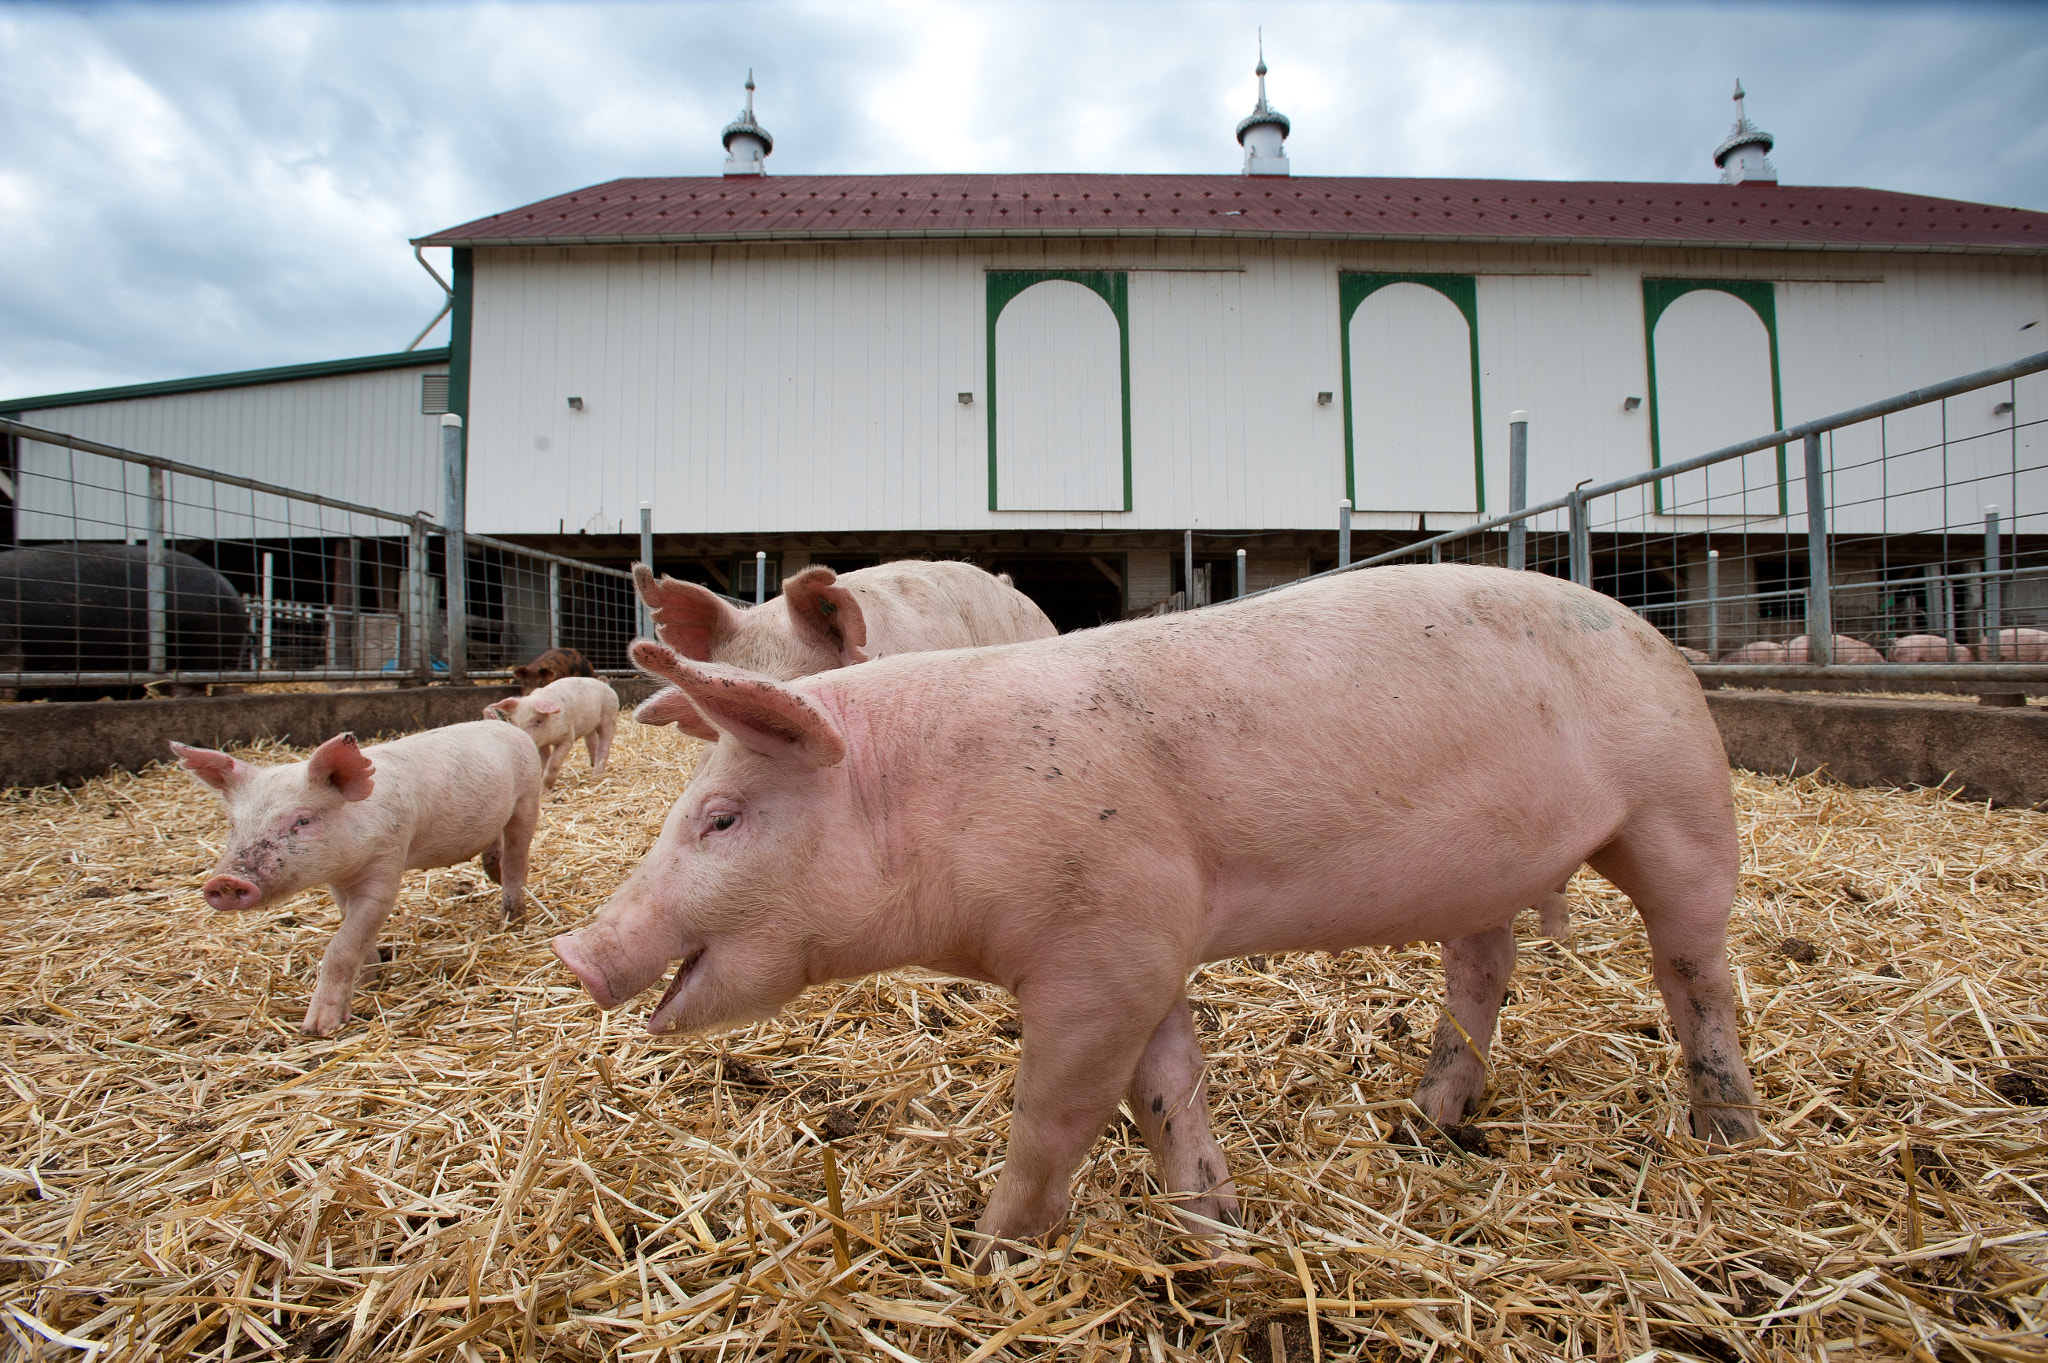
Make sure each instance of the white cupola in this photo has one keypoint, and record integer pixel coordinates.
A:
(1742, 155)
(1263, 132)
(747, 143)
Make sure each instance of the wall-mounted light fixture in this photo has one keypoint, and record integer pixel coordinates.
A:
(1325, 399)
(1630, 404)
(967, 399)
(575, 404)
(2002, 409)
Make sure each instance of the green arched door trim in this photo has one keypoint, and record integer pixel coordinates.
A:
(1463, 291)
(1659, 294)
(1114, 287)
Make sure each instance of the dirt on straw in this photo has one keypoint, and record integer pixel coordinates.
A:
(482, 1166)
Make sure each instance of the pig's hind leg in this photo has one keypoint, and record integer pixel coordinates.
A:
(599, 740)
(1476, 973)
(1683, 884)
(1169, 1098)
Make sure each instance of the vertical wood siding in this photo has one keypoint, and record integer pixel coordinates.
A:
(1059, 401)
(813, 388)
(358, 437)
(1411, 394)
(1714, 389)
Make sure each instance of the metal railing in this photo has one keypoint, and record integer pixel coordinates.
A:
(1905, 542)
(136, 570)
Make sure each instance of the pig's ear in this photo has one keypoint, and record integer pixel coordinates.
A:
(547, 705)
(212, 768)
(670, 706)
(340, 763)
(763, 715)
(501, 709)
(690, 619)
(827, 614)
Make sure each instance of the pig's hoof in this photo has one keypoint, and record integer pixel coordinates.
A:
(324, 1023)
(1725, 1127)
(490, 861)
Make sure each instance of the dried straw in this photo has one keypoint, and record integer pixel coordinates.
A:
(484, 1167)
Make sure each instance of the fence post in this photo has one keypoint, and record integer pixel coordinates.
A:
(1994, 594)
(760, 576)
(1240, 572)
(646, 630)
(1820, 624)
(456, 550)
(1343, 534)
(159, 594)
(1579, 545)
(1187, 577)
(1518, 488)
(416, 587)
(554, 604)
(269, 610)
(1948, 612)
(1713, 604)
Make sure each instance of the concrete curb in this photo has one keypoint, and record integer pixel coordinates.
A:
(1987, 753)
(68, 742)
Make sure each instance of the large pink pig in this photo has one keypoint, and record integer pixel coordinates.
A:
(1368, 759)
(2018, 646)
(356, 819)
(823, 620)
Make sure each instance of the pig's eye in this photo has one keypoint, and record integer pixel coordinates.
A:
(302, 821)
(721, 822)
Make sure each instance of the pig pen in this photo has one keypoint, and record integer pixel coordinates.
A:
(484, 1167)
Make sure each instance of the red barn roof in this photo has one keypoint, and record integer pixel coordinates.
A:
(1342, 208)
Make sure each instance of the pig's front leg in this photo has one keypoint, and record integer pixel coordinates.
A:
(515, 843)
(1169, 1098)
(556, 754)
(1083, 1037)
(1476, 972)
(364, 907)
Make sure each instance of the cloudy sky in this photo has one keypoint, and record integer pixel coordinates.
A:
(194, 188)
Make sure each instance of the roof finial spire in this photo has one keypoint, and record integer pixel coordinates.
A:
(1742, 153)
(747, 143)
(1264, 132)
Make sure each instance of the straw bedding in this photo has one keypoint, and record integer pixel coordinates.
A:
(484, 1167)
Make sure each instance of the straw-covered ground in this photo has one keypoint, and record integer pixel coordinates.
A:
(484, 1167)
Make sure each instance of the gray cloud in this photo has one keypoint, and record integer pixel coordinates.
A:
(186, 189)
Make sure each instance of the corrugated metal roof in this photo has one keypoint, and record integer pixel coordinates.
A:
(807, 207)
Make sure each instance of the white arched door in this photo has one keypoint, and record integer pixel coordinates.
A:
(1057, 389)
(1409, 400)
(1715, 386)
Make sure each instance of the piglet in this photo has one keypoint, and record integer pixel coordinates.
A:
(357, 819)
(559, 714)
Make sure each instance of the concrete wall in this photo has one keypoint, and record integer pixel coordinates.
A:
(52, 744)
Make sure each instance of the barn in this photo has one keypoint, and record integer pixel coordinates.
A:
(1066, 376)
(1061, 375)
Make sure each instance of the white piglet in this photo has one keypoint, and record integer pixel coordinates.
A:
(559, 714)
(356, 819)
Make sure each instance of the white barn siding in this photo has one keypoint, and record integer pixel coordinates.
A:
(1059, 401)
(1714, 389)
(812, 388)
(1411, 402)
(357, 437)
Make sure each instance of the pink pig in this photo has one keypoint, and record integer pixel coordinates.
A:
(1929, 648)
(356, 819)
(559, 714)
(1847, 650)
(2018, 646)
(1367, 759)
(822, 620)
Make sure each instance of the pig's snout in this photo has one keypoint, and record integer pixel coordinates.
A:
(231, 892)
(593, 979)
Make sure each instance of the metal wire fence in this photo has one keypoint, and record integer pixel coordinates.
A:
(132, 570)
(1902, 542)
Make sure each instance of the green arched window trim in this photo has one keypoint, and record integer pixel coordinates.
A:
(1114, 287)
(1463, 291)
(1659, 294)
